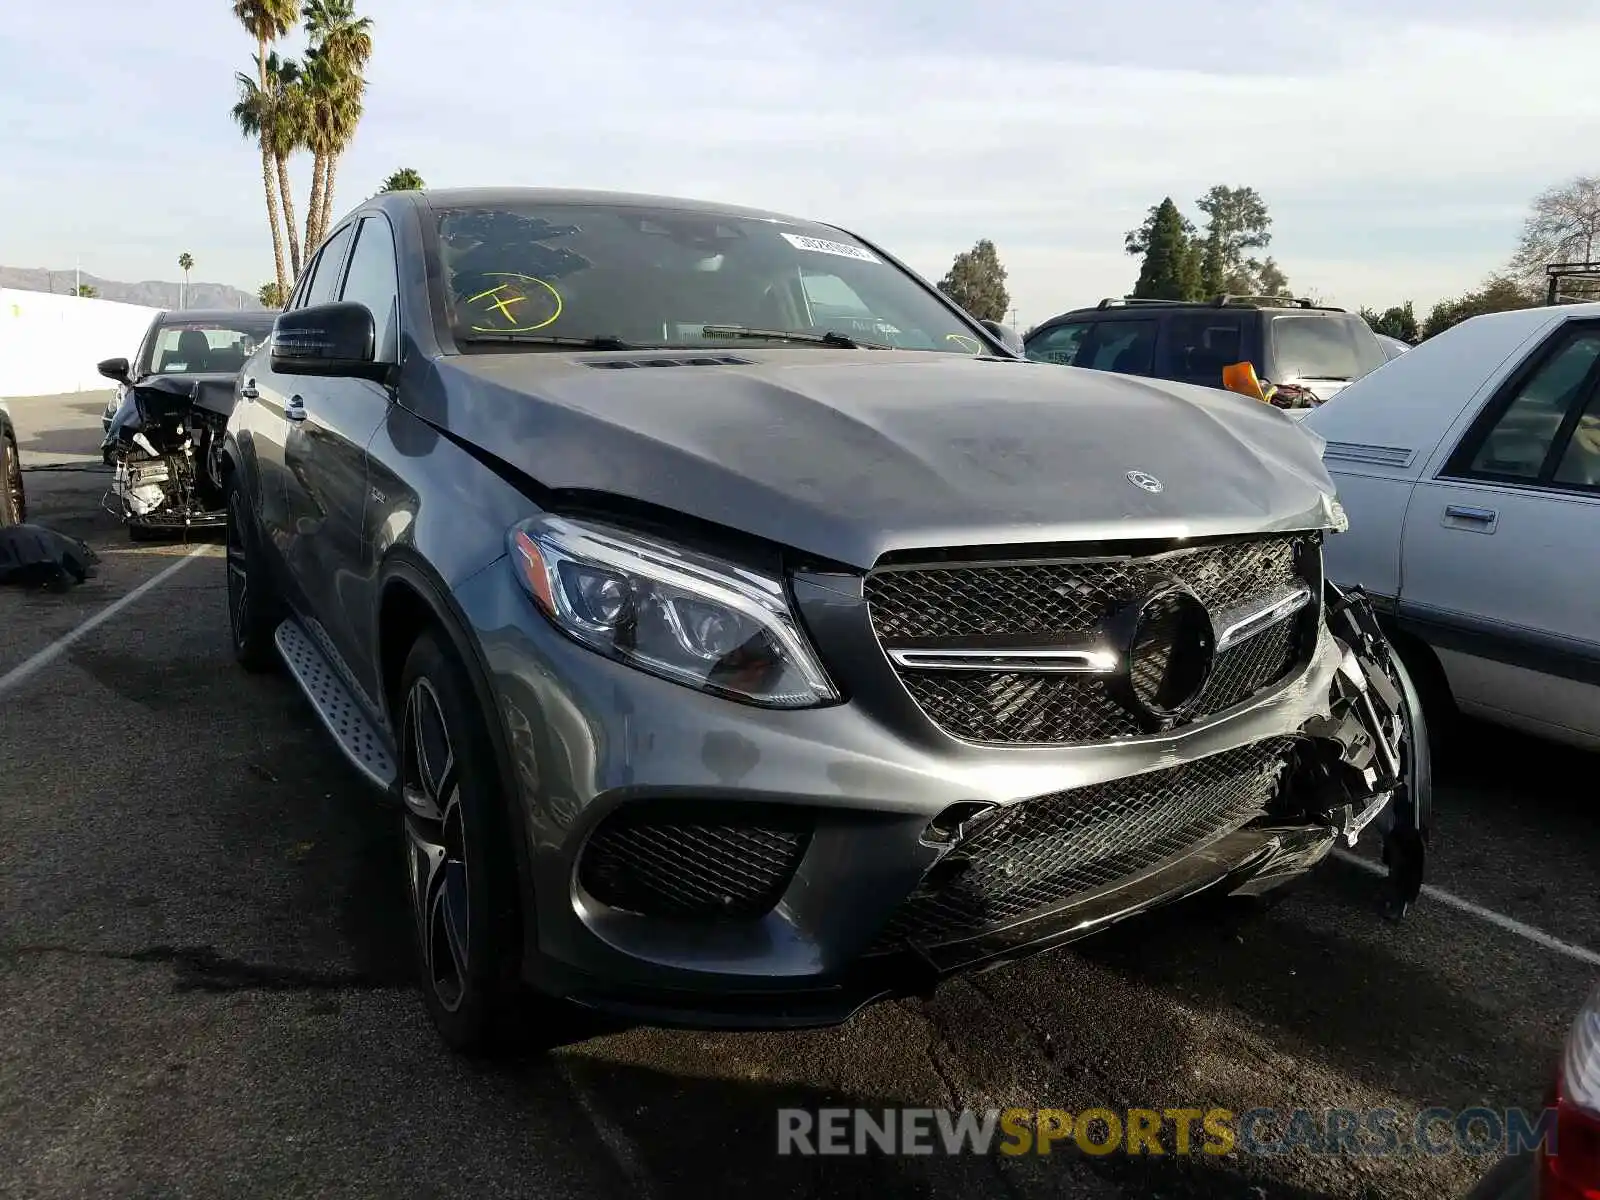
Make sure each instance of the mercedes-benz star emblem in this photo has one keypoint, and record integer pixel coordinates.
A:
(1145, 480)
(1169, 648)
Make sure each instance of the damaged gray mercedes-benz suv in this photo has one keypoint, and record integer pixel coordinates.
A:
(744, 634)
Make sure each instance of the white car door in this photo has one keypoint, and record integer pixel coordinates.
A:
(1500, 553)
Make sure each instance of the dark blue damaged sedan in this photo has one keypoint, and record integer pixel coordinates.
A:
(743, 633)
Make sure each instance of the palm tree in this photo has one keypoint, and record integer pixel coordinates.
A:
(252, 113)
(266, 21)
(185, 264)
(269, 295)
(341, 46)
(287, 133)
(320, 86)
(403, 180)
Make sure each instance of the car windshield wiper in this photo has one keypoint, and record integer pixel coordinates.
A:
(550, 339)
(831, 338)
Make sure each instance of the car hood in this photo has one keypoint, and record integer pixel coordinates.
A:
(852, 454)
(189, 377)
(204, 378)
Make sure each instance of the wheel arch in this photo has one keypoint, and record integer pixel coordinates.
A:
(412, 599)
(1422, 661)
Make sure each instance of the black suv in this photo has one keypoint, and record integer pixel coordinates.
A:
(1301, 353)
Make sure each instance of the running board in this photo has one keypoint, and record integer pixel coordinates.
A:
(317, 678)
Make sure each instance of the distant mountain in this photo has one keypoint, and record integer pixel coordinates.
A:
(152, 293)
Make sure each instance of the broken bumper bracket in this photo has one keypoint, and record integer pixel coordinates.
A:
(1383, 774)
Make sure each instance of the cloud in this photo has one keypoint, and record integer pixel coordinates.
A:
(1396, 150)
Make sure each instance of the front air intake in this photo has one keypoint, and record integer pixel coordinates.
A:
(695, 861)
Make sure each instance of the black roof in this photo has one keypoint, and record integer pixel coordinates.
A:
(489, 197)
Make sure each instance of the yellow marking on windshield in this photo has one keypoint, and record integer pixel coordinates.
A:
(966, 343)
(506, 295)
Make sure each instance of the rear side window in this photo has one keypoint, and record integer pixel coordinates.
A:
(1580, 461)
(371, 280)
(1059, 344)
(1323, 346)
(1124, 346)
(1198, 345)
(328, 264)
(1518, 445)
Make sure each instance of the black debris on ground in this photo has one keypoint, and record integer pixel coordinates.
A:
(36, 557)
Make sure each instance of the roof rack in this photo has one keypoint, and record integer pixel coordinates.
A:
(1117, 301)
(1228, 298)
(1223, 301)
(1585, 272)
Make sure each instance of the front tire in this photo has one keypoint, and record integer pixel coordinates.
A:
(254, 609)
(462, 881)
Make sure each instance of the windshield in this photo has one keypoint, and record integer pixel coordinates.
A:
(1324, 347)
(666, 277)
(195, 347)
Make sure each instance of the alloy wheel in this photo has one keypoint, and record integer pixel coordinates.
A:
(13, 483)
(436, 845)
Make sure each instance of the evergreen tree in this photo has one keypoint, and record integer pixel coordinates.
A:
(1170, 267)
(977, 282)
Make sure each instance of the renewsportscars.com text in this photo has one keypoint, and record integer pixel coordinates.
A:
(1377, 1132)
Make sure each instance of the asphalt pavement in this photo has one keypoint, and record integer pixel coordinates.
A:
(205, 973)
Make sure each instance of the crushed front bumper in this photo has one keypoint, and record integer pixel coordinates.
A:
(1354, 759)
(1237, 862)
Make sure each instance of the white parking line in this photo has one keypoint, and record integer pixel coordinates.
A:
(624, 1151)
(1510, 924)
(53, 651)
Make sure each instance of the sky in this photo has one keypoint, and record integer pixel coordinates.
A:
(1397, 143)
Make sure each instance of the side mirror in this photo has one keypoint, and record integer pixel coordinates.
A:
(114, 369)
(1241, 377)
(1009, 337)
(327, 339)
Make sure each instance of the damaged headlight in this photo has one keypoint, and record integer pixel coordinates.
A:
(671, 611)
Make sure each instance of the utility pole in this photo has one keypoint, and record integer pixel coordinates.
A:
(77, 280)
(1013, 318)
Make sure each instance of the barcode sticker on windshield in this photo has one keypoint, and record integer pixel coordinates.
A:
(819, 246)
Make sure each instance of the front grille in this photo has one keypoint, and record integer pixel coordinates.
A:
(974, 604)
(1048, 599)
(673, 860)
(1038, 854)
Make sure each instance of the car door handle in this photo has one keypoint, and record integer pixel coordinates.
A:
(1467, 516)
(247, 389)
(295, 410)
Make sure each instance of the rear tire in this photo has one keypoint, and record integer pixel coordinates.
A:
(13, 499)
(461, 879)
(254, 609)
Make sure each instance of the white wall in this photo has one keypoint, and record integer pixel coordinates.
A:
(50, 343)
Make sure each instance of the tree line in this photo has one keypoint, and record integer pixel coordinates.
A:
(1183, 260)
(1562, 226)
(1186, 259)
